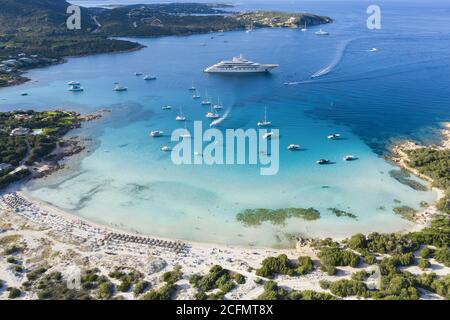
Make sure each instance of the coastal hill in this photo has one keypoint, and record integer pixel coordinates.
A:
(33, 33)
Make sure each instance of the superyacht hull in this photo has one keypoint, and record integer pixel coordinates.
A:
(261, 69)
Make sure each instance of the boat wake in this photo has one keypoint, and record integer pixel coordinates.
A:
(337, 59)
(222, 118)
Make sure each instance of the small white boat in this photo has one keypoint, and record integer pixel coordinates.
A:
(180, 116)
(192, 88)
(373, 50)
(268, 135)
(73, 83)
(148, 77)
(24, 94)
(166, 107)
(118, 87)
(206, 101)
(322, 33)
(304, 28)
(323, 161)
(75, 88)
(166, 148)
(156, 133)
(212, 115)
(218, 106)
(196, 95)
(293, 147)
(349, 157)
(185, 135)
(334, 136)
(264, 123)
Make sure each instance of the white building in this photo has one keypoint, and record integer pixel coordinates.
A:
(20, 131)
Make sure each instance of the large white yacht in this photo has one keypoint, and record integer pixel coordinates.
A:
(240, 65)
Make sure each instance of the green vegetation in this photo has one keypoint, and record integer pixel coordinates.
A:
(169, 289)
(331, 257)
(342, 213)
(13, 293)
(442, 255)
(426, 252)
(434, 164)
(423, 264)
(105, 290)
(141, 287)
(52, 287)
(405, 212)
(174, 275)
(218, 278)
(29, 148)
(255, 217)
(127, 279)
(273, 292)
(273, 266)
(166, 292)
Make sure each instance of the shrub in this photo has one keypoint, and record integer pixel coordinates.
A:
(357, 241)
(272, 266)
(164, 293)
(338, 257)
(174, 275)
(140, 287)
(14, 293)
(105, 290)
(442, 255)
(442, 286)
(12, 260)
(346, 288)
(423, 264)
(330, 270)
(426, 252)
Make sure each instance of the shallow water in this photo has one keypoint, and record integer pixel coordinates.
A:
(399, 91)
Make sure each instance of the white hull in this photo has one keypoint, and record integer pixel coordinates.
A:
(260, 69)
(239, 65)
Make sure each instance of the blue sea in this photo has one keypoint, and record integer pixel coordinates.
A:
(371, 97)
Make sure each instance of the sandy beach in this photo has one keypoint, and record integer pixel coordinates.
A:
(65, 243)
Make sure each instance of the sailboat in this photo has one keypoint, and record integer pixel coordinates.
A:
(206, 101)
(322, 33)
(180, 116)
(196, 95)
(212, 115)
(218, 106)
(304, 28)
(187, 134)
(264, 123)
(192, 88)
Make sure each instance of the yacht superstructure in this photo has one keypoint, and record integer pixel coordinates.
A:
(239, 65)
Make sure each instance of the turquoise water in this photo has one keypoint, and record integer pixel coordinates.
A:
(371, 98)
